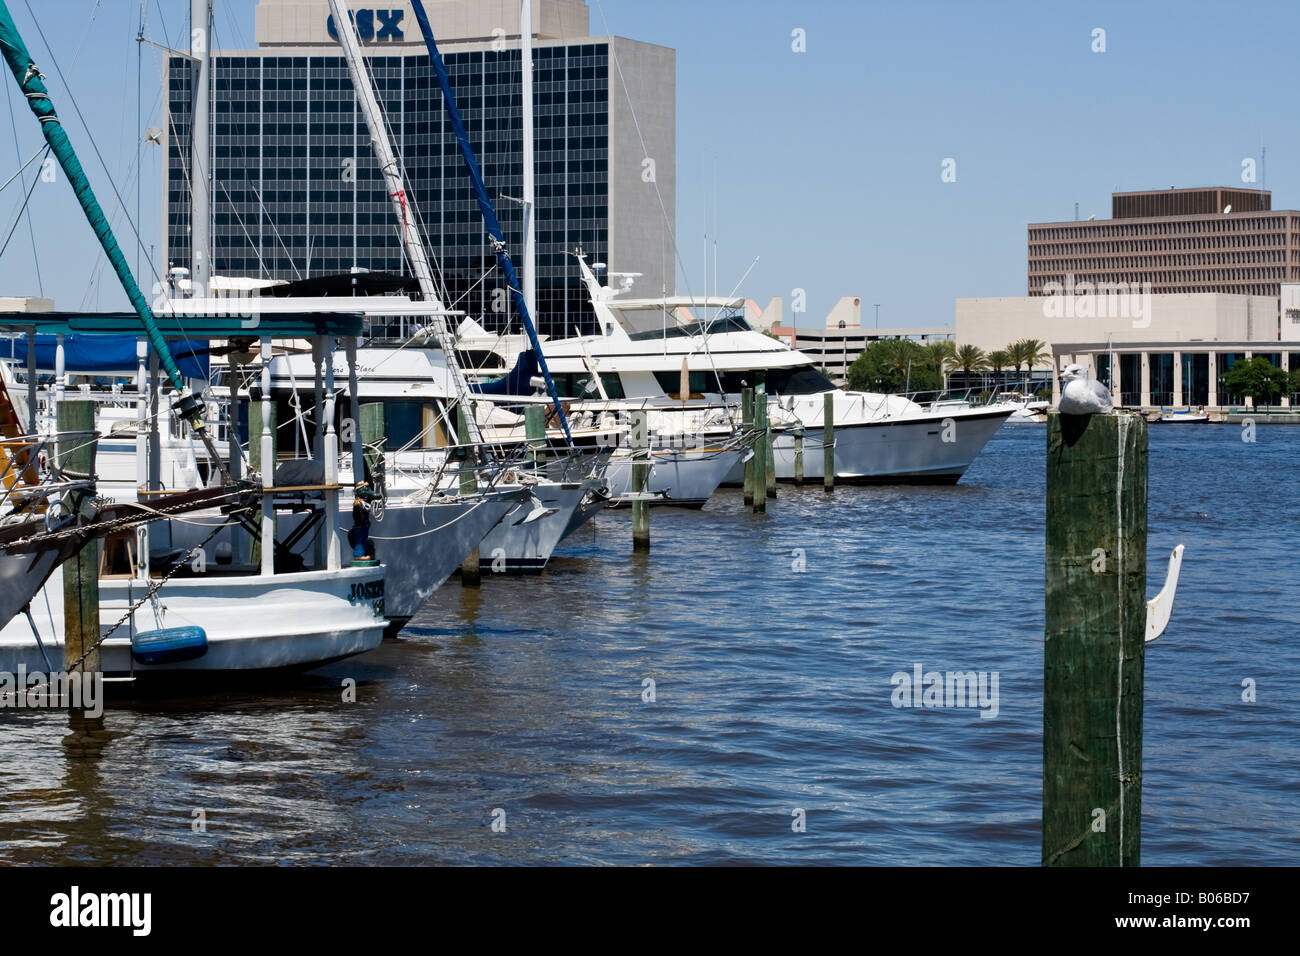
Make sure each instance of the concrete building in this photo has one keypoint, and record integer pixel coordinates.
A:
(1169, 349)
(297, 193)
(1218, 239)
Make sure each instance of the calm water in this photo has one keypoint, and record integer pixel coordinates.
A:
(772, 693)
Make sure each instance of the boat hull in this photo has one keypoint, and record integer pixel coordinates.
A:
(520, 542)
(682, 477)
(253, 623)
(903, 451)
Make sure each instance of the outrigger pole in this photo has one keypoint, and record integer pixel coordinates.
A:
(30, 81)
(489, 213)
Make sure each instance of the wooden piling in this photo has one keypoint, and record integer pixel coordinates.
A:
(1095, 616)
(371, 424)
(769, 457)
(828, 442)
(640, 479)
(747, 425)
(798, 454)
(471, 569)
(760, 448)
(81, 573)
(535, 432)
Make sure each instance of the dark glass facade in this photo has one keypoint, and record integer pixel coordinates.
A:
(297, 192)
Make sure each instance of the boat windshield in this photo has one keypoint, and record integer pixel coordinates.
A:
(803, 380)
(734, 322)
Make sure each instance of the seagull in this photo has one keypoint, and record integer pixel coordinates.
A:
(1079, 396)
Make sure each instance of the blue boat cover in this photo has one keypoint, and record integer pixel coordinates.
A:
(518, 381)
(103, 354)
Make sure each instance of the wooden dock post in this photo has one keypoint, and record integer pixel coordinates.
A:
(828, 442)
(1095, 616)
(769, 456)
(80, 573)
(535, 432)
(640, 479)
(760, 448)
(371, 424)
(798, 454)
(471, 569)
(747, 426)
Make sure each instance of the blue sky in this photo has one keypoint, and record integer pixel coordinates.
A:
(826, 164)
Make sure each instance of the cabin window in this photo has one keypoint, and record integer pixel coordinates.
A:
(701, 382)
(412, 425)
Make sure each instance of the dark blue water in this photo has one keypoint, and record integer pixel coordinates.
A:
(772, 693)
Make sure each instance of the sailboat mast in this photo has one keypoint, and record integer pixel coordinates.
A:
(402, 200)
(529, 205)
(490, 221)
(201, 147)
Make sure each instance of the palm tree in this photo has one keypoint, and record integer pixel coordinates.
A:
(969, 358)
(998, 360)
(1033, 352)
(940, 353)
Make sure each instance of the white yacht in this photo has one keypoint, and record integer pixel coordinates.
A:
(647, 349)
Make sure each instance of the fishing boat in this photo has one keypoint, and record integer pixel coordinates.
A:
(199, 609)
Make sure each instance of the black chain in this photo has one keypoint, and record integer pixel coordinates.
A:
(153, 589)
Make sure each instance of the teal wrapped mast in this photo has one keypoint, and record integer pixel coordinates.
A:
(31, 83)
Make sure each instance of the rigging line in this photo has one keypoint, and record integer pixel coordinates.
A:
(30, 229)
(261, 264)
(263, 210)
(35, 180)
(38, 152)
(77, 109)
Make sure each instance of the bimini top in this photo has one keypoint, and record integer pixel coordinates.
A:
(268, 324)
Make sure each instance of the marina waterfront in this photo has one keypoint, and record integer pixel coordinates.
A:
(771, 641)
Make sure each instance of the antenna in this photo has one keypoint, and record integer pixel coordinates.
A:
(1076, 212)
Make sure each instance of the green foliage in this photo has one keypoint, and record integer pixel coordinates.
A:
(1259, 379)
(883, 367)
(999, 359)
(970, 358)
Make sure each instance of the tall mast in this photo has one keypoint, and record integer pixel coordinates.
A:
(490, 221)
(530, 227)
(200, 147)
(402, 199)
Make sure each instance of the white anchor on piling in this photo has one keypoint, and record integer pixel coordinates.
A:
(1160, 607)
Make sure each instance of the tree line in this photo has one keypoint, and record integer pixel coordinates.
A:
(902, 365)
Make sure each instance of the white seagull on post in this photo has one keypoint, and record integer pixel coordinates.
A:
(1080, 396)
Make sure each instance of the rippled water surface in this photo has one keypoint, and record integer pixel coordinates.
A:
(772, 692)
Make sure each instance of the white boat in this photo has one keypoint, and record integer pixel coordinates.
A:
(252, 623)
(416, 393)
(643, 344)
(1028, 410)
(1189, 416)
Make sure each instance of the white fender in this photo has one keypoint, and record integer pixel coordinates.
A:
(1160, 607)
